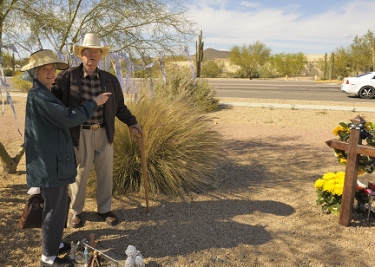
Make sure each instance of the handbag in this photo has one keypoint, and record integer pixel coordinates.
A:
(32, 212)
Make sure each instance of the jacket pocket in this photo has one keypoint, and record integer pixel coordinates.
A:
(66, 166)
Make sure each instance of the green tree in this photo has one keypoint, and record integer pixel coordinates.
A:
(291, 64)
(249, 57)
(356, 58)
(343, 60)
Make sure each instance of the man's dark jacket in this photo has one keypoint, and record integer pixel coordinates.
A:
(68, 88)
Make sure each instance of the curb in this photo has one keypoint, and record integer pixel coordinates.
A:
(296, 106)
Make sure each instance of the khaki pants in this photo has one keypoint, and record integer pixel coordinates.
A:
(94, 148)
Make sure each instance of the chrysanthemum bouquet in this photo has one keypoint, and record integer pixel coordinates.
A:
(329, 190)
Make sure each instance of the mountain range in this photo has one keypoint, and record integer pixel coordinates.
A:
(210, 53)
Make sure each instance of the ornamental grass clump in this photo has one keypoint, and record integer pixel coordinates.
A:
(182, 149)
(180, 83)
(329, 190)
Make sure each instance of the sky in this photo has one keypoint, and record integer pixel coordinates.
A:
(289, 26)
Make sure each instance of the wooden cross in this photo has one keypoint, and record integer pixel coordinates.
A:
(354, 148)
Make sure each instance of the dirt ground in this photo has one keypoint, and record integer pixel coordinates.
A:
(262, 211)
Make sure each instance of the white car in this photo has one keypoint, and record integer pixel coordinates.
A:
(362, 85)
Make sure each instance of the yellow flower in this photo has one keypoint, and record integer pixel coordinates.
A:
(338, 154)
(368, 125)
(329, 190)
(331, 182)
(337, 130)
(319, 184)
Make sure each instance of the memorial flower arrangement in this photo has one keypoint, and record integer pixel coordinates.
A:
(366, 163)
(329, 190)
(330, 186)
(362, 192)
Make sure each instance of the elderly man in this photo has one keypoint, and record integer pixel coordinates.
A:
(50, 164)
(93, 140)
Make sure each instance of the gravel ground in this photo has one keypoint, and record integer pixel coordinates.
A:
(262, 211)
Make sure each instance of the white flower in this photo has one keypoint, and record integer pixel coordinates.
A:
(361, 185)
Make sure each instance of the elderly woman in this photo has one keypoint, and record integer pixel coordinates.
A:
(50, 162)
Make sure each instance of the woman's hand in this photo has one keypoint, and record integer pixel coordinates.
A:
(102, 98)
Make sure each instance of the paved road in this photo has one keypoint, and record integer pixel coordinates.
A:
(281, 89)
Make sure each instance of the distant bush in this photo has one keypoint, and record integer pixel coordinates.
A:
(212, 69)
(8, 72)
(340, 78)
(239, 74)
(21, 84)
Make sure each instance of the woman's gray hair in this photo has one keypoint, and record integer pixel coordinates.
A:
(33, 73)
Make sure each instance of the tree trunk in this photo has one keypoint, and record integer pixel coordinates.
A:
(10, 164)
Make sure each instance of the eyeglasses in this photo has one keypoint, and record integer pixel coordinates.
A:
(92, 51)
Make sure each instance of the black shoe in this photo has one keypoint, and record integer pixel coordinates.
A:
(65, 249)
(58, 262)
(109, 218)
(76, 221)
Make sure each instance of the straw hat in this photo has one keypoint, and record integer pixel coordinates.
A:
(44, 57)
(91, 40)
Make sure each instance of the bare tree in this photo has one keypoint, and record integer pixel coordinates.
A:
(138, 26)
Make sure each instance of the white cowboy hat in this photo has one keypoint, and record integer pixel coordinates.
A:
(44, 57)
(91, 40)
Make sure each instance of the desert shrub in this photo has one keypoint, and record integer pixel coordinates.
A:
(182, 150)
(8, 72)
(21, 84)
(240, 73)
(266, 71)
(180, 83)
(212, 69)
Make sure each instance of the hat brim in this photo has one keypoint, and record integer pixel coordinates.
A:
(59, 65)
(77, 49)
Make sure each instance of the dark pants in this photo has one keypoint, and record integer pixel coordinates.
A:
(53, 218)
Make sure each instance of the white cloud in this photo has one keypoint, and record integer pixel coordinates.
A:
(283, 29)
(250, 4)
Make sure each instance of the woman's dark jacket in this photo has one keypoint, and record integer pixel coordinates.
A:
(68, 88)
(49, 152)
